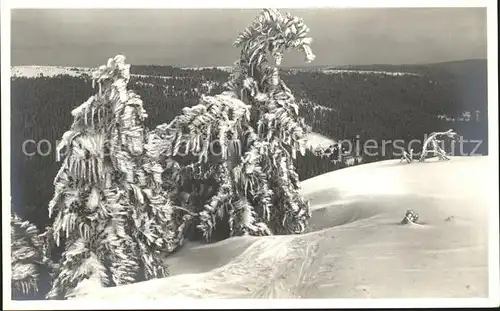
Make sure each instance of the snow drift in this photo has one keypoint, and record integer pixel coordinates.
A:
(355, 247)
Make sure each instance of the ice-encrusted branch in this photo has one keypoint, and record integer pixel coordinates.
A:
(433, 142)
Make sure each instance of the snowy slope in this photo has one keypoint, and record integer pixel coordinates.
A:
(317, 140)
(222, 68)
(356, 247)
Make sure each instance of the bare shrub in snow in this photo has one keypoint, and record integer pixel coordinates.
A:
(433, 142)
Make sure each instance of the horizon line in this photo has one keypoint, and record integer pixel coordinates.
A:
(284, 67)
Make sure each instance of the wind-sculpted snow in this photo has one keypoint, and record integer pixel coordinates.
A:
(355, 247)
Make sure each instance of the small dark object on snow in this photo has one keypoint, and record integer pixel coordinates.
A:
(410, 217)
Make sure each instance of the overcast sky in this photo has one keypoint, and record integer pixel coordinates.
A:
(204, 37)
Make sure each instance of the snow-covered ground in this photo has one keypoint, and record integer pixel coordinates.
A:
(355, 247)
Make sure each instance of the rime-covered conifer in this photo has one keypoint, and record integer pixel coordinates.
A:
(110, 209)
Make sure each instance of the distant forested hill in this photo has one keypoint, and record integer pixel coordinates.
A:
(376, 102)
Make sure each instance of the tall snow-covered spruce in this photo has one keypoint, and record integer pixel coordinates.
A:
(244, 141)
(110, 209)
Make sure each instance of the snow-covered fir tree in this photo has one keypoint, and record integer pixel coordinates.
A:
(235, 152)
(110, 209)
(434, 142)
